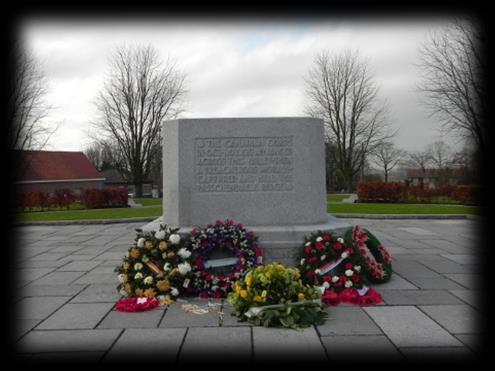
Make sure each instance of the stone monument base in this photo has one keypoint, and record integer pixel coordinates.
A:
(279, 243)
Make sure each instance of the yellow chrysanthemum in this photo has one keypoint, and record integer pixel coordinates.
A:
(166, 300)
(300, 296)
(263, 294)
(171, 254)
(138, 292)
(148, 245)
(126, 266)
(249, 281)
(134, 253)
(150, 293)
(163, 285)
(244, 294)
(163, 245)
(297, 275)
(257, 298)
(280, 267)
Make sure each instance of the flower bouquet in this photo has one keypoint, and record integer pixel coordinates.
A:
(273, 295)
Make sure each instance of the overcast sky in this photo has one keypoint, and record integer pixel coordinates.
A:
(244, 68)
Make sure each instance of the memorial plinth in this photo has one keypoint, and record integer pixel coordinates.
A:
(266, 173)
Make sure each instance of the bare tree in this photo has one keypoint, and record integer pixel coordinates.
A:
(104, 155)
(441, 154)
(387, 157)
(454, 77)
(342, 93)
(27, 105)
(139, 94)
(419, 159)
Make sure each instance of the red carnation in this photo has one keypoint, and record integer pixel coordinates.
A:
(337, 246)
(310, 273)
(342, 278)
(308, 249)
(326, 238)
(330, 298)
(348, 266)
(203, 294)
(257, 251)
(355, 277)
(217, 295)
(320, 245)
(194, 230)
(312, 260)
(327, 278)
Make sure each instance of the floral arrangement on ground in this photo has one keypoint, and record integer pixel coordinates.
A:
(231, 238)
(157, 265)
(342, 266)
(273, 295)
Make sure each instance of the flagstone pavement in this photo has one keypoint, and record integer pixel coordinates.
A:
(66, 290)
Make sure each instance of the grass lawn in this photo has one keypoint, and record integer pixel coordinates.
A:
(372, 208)
(148, 201)
(337, 197)
(90, 214)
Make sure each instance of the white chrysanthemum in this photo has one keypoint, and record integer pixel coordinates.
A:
(174, 291)
(166, 267)
(121, 278)
(148, 280)
(357, 268)
(349, 272)
(302, 261)
(138, 266)
(317, 271)
(145, 259)
(344, 255)
(335, 279)
(340, 240)
(319, 239)
(164, 255)
(174, 239)
(138, 276)
(140, 242)
(348, 284)
(323, 257)
(184, 268)
(184, 253)
(326, 285)
(123, 292)
(307, 243)
(160, 235)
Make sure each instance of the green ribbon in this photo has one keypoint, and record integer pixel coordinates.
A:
(255, 311)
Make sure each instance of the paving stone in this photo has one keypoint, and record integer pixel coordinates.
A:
(82, 266)
(463, 258)
(31, 274)
(103, 270)
(408, 326)
(43, 263)
(67, 357)
(415, 297)
(38, 307)
(51, 290)
(49, 256)
(155, 344)
(472, 341)
(472, 297)
(67, 341)
(175, 316)
(447, 266)
(97, 278)
(439, 283)
(427, 355)
(112, 255)
(22, 326)
(360, 348)
(276, 344)
(457, 319)
(149, 319)
(413, 269)
(417, 231)
(98, 293)
(58, 278)
(76, 316)
(348, 320)
(396, 283)
(229, 319)
(447, 246)
(470, 281)
(220, 343)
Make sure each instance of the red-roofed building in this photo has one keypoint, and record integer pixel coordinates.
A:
(51, 170)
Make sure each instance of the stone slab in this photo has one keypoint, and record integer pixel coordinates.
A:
(463, 258)
(278, 344)
(396, 283)
(360, 348)
(471, 297)
(470, 281)
(31, 274)
(175, 316)
(348, 320)
(457, 319)
(38, 307)
(434, 354)
(217, 344)
(407, 326)
(472, 341)
(98, 293)
(82, 266)
(417, 297)
(151, 344)
(67, 341)
(90, 278)
(58, 278)
(436, 283)
(51, 290)
(76, 316)
(231, 168)
(22, 326)
(67, 357)
(149, 319)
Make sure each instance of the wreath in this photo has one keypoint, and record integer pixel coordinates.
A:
(229, 238)
(375, 259)
(156, 265)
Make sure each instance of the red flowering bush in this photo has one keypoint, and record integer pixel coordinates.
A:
(380, 192)
(95, 198)
(467, 195)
